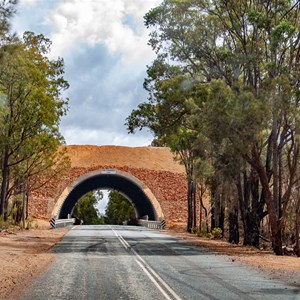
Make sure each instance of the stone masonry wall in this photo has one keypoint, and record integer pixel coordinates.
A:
(170, 189)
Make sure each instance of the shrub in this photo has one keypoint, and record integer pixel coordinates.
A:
(1, 223)
(194, 229)
(216, 233)
(201, 233)
(209, 235)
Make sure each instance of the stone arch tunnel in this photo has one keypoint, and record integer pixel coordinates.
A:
(141, 198)
(154, 182)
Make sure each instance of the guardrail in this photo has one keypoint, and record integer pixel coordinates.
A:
(57, 223)
(152, 224)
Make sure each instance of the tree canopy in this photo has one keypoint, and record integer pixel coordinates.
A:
(227, 74)
(32, 105)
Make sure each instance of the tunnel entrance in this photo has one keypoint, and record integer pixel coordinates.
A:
(140, 196)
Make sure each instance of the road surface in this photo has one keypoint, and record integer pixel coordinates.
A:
(127, 262)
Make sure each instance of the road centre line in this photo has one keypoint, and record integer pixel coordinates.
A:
(163, 287)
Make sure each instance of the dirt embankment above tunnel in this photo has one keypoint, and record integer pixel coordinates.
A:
(154, 158)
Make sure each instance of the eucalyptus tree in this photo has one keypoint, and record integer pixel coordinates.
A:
(165, 113)
(247, 53)
(7, 10)
(30, 88)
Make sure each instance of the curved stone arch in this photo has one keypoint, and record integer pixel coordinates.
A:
(143, 200)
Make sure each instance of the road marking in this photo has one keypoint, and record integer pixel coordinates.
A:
(163, 287)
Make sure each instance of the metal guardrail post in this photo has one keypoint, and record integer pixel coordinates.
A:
(52, 223)
(152, 224)
(55, 223)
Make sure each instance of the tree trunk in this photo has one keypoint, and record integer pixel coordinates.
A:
(222, 218)
(217, 210)
(275, 164)
(233, 217)
(19, 211)
(194, 199)
(25, 205)
(276, 236)
(249, 213)
(190, 207)
(201, 193)
(297, 231)
(212, 221)
(200, 216)
(4, 188)
(252, 229)
(238, 184)
(195, 203)
(24, 211)
(214, 208)
(255, 208)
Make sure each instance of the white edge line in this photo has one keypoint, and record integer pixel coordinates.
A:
(158, 278)
(153, 280)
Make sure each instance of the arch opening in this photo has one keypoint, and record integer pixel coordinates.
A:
(136, 192)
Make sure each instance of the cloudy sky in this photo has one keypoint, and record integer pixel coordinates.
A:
(104, 45)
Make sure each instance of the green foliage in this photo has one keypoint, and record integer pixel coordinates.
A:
(85, 210)
(217, 233)
(194, 229)
(2, 223)
(7, 10)
(201, 233)
(30, 223)
(30, 89)
(281, 33)
(118, 209)
(259, 19)
(224, 96)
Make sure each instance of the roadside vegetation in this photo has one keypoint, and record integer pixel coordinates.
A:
(224, 95)
(31, 106)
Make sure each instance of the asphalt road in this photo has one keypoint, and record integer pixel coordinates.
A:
(126, 262)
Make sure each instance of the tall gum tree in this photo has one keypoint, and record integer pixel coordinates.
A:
(30, 90)
(165, 114)
(253, 48)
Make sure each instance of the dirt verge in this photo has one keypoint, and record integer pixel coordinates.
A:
(284, 268)
(23, 256)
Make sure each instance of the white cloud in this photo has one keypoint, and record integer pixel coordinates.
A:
(79, 136)
(104, 45)
(29, 2)
(101, 22)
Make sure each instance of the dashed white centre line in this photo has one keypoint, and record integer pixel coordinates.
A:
(162, 286)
